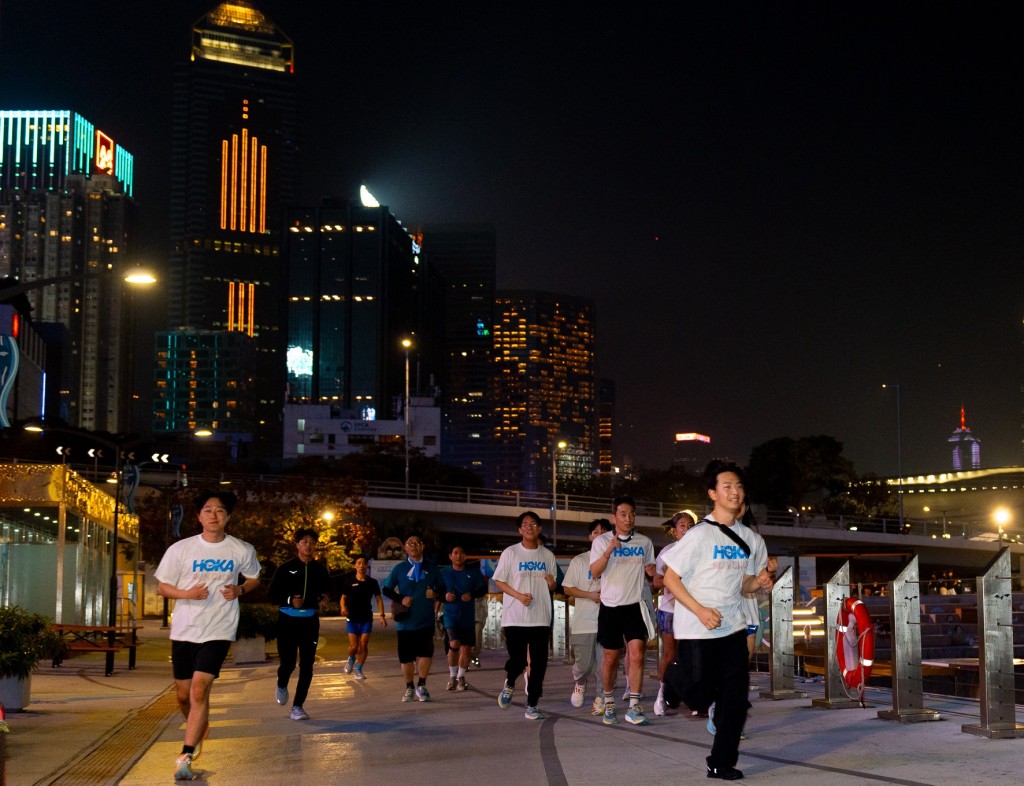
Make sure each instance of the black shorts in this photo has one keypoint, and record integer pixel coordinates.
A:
(413, 644)
(465, 636)
(617, 625)
(188, 657)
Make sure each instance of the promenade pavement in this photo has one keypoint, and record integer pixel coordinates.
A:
(85, 728)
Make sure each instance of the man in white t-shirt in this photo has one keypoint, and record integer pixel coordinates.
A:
(201, 574)
(676, 527)
(526, 577)
(623, 559)
(708, 572)
(579, 584)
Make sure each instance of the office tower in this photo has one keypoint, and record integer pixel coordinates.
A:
(966, 447)
(67, 217)
(465, 255)
(605, 427)
(232, 172)
(545, 389)
(358, 286)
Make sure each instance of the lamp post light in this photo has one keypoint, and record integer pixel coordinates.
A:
(1001, 516)
(406, 344)
(899, 452)
(561, 445)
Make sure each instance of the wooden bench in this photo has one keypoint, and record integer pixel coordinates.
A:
(97, 638)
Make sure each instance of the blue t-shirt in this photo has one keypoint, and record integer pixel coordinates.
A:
(410, 579)
(461, 613)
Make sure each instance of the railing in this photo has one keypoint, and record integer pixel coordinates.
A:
(599, 506)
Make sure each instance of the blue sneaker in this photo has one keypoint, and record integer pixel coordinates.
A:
(635, 715)
(183, 768)
(532, 713)
(711, 720)
(609, 718)
(505, 697)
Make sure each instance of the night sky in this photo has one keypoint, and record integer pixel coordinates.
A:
(776, 211)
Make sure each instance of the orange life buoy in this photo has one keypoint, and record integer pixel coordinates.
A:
(855, 643)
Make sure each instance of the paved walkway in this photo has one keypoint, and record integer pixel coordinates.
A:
(84, 728)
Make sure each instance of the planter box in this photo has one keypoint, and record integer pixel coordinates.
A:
(15, 694)
(250, 650)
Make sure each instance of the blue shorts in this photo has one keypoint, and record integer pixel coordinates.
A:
(360, 628)
(665, 622)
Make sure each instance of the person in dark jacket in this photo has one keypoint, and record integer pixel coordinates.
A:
(301, 586)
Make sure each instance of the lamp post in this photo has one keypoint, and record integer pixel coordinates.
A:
(1001, 516)
(561, 445)
(406, 344)
(899, 452)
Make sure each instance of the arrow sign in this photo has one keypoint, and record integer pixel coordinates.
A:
(63, 451)
(160, 458)
(95, 453)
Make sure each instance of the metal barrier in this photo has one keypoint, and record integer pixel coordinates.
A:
(782, 668)
(995, 650)
(907, 679)
(837, 590)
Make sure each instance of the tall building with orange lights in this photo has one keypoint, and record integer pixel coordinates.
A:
(233, 172)
(545, 389)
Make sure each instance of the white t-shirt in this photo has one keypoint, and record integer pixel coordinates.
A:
(584, 616)
(524, 570)
(712, 568)
(622, 582)
(668, 600)
(193, 561)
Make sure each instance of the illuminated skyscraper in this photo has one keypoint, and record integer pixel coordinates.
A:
(466, 257)
(233, 171)
(358, 286)
(966, 447)
(67, 213)
(545, 389)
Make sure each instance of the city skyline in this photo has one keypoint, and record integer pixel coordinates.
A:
(775, 213)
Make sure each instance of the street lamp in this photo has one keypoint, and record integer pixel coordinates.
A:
(1001, 516)
(899, 452)
(561, 445)
(406, 344)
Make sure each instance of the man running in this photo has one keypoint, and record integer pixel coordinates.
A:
(357, 594)
(586, 590)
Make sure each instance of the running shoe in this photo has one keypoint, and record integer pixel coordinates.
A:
(298, 713)
(598, 708)
(505, 697)
(183, 768)
(409, 695)
(359, 673)
(711, 720)
(724, 773)
(577, 695)
(422, 694)
(452, 682)
(609, 718)
(348, 666)
(625, 693)
(659, 704)
(460, 684)
(635, 715)
(475, 662)
(281, 695)
(532, 713)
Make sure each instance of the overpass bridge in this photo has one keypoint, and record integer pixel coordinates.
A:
(487, 515)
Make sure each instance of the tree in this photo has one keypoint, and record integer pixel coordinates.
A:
(785, 472)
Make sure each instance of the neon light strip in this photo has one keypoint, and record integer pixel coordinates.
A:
(231, 303)
(263, 189)
(223, 183)
(252, 185)
(252, 309)
(243, 200)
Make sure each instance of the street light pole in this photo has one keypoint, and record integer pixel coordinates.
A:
(554, 491)
(899, 452)
(406, 344)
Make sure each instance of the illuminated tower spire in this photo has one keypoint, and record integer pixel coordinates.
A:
(966, 447)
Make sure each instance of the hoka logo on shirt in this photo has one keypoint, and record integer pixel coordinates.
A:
(628, 551)
(532, 565)
(213, 566)
(728, 552)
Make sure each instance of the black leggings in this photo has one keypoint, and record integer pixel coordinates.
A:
(297, 635)
(519, 640)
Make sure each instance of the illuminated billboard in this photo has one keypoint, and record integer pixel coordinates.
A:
(693, 437)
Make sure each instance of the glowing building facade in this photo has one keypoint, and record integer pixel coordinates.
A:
(545, 389)
(234, 148)
(67, 214)
(966, 447)
(359, 285)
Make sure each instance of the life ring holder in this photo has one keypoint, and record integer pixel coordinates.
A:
(855, 645)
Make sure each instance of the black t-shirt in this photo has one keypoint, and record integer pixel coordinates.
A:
(358, 597)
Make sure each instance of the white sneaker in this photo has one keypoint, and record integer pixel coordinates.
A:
(577, 695)
(659, 704)
(298, 713)
(598, 708)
